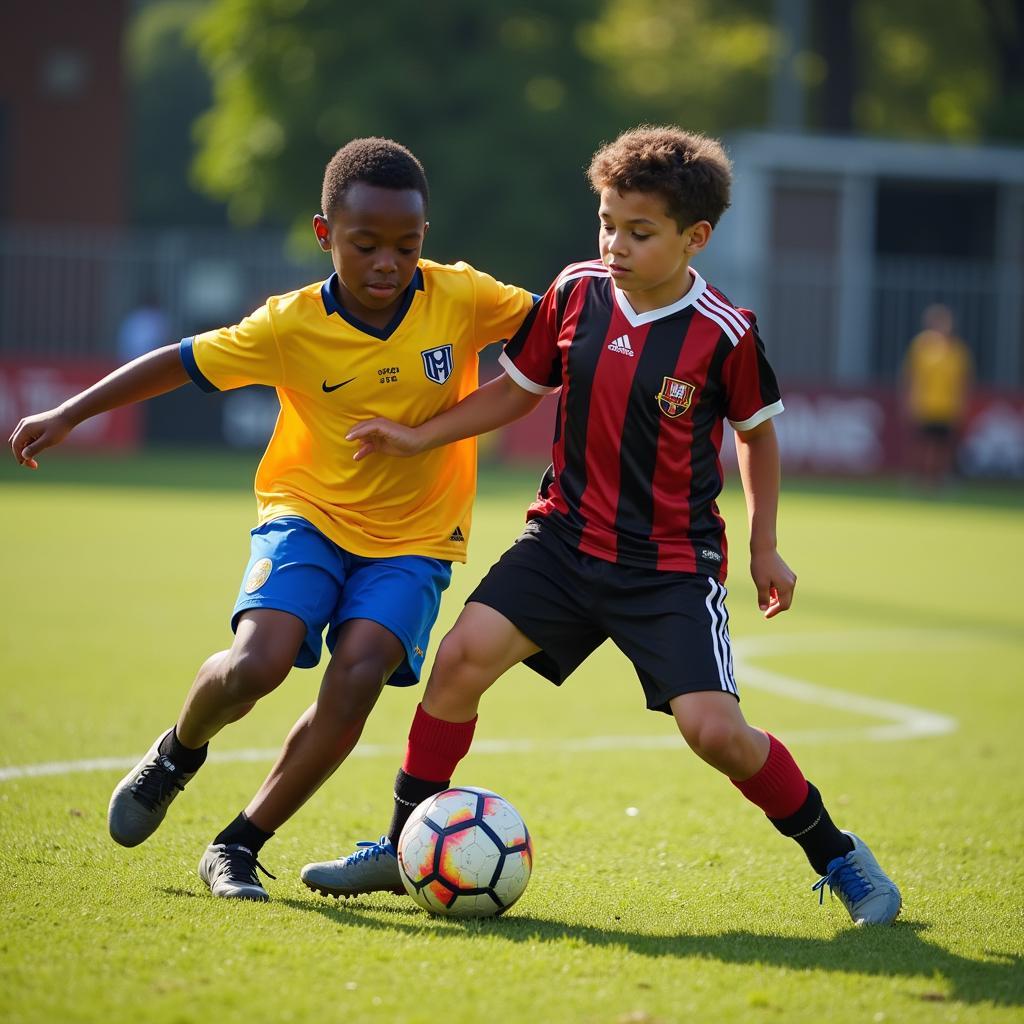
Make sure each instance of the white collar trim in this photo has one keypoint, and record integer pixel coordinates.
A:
(639, 319)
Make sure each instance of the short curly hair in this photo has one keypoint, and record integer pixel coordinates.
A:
(690, 171)
(372, 161)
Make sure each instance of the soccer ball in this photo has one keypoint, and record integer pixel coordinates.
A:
(465, 853)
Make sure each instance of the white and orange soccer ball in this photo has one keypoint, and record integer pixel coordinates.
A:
(465, 852)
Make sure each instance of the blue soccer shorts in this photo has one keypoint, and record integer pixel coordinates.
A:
(294, 568)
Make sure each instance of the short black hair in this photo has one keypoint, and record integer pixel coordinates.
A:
(690, 171)
(373, 161)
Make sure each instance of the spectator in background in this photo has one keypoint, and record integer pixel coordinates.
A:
(143, 329)
(937, 372)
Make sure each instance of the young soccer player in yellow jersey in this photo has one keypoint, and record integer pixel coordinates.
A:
(361, 550)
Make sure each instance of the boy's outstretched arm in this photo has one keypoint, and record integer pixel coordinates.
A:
(153, 374)
(758, 453)
(492, 405)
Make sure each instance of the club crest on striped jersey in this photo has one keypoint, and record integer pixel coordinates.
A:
(675, 396)
(438, 363)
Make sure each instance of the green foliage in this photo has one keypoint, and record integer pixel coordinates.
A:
(505, 103)
(711, 65)
(168, 88)
(925, 77)
(497, 102)
(690, 909)
(705, 65)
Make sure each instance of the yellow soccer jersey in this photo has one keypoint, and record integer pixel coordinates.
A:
(938, 368)
(332, 371)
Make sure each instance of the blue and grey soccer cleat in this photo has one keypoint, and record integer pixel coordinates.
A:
(230, 872)
(140, 800)
(372, 868)
(868, 893)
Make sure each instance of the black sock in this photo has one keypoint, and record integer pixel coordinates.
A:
(243, 832)
(813, 829)
(410, 792)
(188, 759)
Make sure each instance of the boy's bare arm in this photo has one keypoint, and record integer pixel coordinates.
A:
(492, 405)
(758, 453)
(153, 374)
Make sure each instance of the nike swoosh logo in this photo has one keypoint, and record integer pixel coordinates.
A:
(334, 387)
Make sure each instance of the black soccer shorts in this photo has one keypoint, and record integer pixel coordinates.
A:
(672, 626)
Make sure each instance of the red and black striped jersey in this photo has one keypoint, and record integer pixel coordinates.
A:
(635, 459)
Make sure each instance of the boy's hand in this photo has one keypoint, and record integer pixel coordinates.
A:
(775, 582)
(385, 437)
(36, 433)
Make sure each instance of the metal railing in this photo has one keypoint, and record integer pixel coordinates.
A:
(64, 292)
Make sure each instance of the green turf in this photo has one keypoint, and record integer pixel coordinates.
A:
(119, 576)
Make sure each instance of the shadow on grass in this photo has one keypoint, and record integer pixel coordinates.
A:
(173, 890)
(891, 953)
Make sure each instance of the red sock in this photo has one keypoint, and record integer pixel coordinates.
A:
(779, 787)
(436, 747)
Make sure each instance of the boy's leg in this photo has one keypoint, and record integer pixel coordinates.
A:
(481, 646)
(764, 771)
(229, 683)
(674, 628)
(379, 630)
(226, 687)
(365, 656)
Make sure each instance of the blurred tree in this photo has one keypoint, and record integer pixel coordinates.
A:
(505, 103)
(925, 76)
(871, 66)
(168, 89)
(705, 64)
(498, 101)
(1006, 33)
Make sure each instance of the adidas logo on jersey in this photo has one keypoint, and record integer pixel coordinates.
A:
(457, 536)
(622, 346)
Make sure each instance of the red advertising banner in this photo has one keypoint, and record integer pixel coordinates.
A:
(840, 432)
(28, 387)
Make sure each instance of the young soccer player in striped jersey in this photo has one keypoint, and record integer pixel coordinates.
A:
(625, 540)
(363, 551)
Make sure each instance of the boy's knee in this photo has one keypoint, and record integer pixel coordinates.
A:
(351, 687)
(249, 676)
(714, 739)
(460, 676)
(459, 662)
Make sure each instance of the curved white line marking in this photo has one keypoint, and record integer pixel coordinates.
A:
(904, 721)
(901, 720)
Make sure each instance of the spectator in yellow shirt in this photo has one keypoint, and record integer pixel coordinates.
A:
(937, 372)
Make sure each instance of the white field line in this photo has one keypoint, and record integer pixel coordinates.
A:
(901, 721)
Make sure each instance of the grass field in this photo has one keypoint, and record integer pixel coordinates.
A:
(659, 894)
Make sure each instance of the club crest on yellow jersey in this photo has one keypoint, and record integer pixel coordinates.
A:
(438, 363)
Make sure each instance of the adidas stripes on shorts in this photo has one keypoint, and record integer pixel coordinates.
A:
(673, 626)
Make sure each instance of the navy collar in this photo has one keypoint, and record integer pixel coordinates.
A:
(332, 305)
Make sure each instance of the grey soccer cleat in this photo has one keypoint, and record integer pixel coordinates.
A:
(373, 868)
(140, 800)
(230, 872)
(868, 893)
